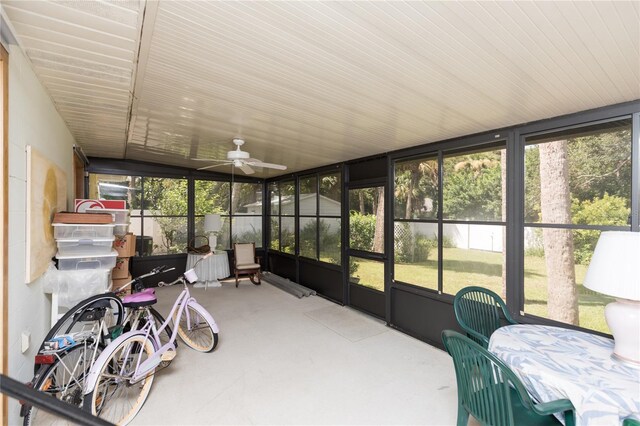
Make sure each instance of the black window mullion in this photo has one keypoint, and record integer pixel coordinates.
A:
(635, 172)
(439, 216)
(317, 257)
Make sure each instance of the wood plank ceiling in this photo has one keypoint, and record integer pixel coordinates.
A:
(313, 83)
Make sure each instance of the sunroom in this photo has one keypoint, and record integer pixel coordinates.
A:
(384, 155)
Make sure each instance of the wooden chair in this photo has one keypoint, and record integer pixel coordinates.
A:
(245, 262)
(492, 393)
(478, 311)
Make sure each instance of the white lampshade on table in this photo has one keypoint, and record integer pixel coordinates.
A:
(615, 271)
(212, 225)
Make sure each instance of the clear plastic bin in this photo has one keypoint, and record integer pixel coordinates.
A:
(85, 246)
(121, 229)
(120, 216)
(82, 231)
(96, 261)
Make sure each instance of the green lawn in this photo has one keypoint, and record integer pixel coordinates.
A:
(476, 267)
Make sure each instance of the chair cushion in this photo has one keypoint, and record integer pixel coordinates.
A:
(244, 254)
(248, 266)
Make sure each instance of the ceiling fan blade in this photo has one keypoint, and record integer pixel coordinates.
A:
(245, 168)
(211, 160)
(258, 163)
(213, 165)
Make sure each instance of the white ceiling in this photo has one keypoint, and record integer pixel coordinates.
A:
(313, 83)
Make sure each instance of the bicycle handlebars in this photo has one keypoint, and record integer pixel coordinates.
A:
(154, 271)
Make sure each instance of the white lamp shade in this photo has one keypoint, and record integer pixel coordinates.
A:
(615, 266)
(212, 222)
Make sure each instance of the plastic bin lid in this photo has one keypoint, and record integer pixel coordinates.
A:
(99, 210)
(71, 240)
(84, 224)
(84, 256)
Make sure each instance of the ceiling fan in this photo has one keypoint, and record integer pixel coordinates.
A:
(240, 159)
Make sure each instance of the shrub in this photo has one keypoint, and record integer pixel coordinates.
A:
(411, 248)
(362, 228)
(608, 210)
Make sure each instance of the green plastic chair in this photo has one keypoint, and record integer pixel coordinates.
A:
(492, 393)
(478, 311)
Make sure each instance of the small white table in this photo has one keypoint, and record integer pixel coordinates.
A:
(210, 270)
(555, 363)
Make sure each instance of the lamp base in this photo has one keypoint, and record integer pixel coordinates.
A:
(623, 318)
(213, 238)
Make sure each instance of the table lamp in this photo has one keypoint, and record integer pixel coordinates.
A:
(212, 225)
(615, 271)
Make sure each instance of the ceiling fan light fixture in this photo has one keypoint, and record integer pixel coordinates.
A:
(237, 155)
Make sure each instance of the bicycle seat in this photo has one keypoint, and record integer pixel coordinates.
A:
(136, 300)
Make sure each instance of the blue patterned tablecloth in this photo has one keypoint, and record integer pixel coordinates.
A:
(555, 363)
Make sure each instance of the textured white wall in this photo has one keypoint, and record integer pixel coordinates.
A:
(33, 120)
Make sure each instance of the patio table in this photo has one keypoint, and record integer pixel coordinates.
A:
(555, 363)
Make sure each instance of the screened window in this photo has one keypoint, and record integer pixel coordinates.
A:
(282, 235)
(415, 228)
(246, 213)
(160, 214)
(319, 223)
(472, 219)
(158, 207)
(577, 184)
(213, 197)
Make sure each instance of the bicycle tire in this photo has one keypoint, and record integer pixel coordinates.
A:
(71, 320)
(200, 336)
(114, 398)
(56, 380)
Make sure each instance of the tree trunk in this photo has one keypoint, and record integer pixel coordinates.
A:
(407, 212)
(361, 199)
(413, 181)
(378, 236)
(555, 204)
(503, 168)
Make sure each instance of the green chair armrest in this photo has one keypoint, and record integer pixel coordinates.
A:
(552, 407)
(480, 337)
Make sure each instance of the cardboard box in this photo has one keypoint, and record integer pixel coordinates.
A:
(125, 245)
(116, 283)
(121, 270)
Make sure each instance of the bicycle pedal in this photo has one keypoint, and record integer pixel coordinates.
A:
(168, 356)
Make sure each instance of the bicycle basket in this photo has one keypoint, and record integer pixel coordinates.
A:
(203, 249)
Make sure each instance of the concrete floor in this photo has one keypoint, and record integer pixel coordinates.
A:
(283, 360)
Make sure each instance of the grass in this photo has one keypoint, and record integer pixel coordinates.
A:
(476, 267)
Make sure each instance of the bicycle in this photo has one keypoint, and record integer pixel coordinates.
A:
(83, 332)
(120, 380)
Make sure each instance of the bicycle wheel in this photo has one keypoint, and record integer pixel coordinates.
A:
(84, 315)
(64, 380)
(195, 330)
(115, 398)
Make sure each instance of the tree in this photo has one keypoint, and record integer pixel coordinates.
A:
(503, 188)
(415, 182)
(472, 186)
(378, 237)
(555, 203)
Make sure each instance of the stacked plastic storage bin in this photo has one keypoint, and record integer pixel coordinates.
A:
(123, 243)
(85, 259)
(84, 246)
